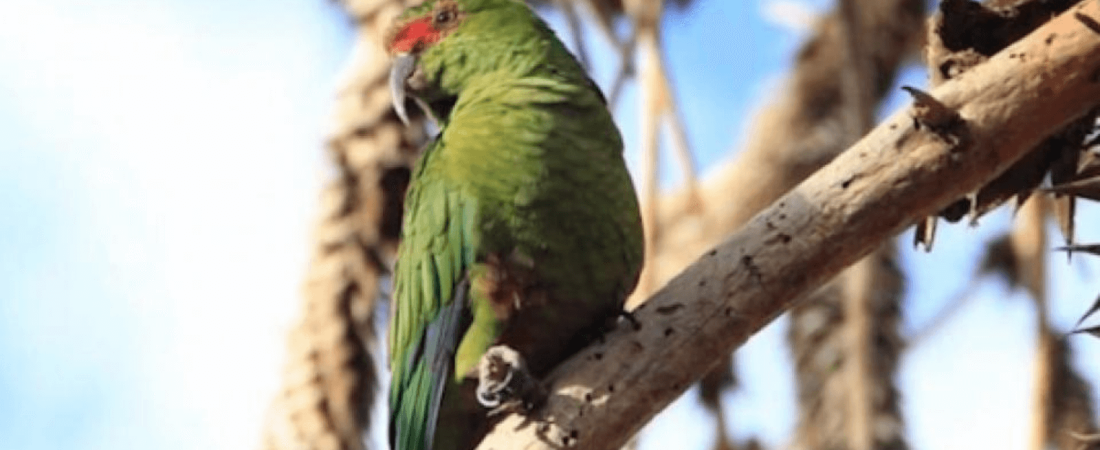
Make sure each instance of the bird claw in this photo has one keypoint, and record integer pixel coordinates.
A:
(505, 385)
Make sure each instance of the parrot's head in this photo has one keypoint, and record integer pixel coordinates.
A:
(439, 46)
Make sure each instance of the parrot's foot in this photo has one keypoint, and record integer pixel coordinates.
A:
(505, 385)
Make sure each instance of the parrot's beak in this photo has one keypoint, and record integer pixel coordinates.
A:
(403, 67)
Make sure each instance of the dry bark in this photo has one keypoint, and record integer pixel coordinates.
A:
(913, 164)
(329, 381)
(800, 132)
(828, 104)
(963, 34)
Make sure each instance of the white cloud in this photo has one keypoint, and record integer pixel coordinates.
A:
(795, 16)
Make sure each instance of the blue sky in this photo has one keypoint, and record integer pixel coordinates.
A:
(160, 164)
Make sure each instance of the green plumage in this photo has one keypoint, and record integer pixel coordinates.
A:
(521, 226)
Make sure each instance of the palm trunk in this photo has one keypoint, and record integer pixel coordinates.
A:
(330, 379)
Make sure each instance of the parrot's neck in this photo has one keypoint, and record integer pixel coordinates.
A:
(539, 87)
(533, 71)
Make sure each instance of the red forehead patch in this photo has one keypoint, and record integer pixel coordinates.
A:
(413, 34)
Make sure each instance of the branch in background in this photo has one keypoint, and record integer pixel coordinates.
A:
(914, 163)
(1027, 240)
(846, 359)
(871, 295)
(1070, 400)
(1061, 397)
(626, 68)
(962, 35)
(711, 388)
(329, 382)
(811, 114)
(646, 17)
(658, 102)
(1086, 184)
(603, 15)
(680, 146)
(845, 365)
(575, 31)
(845, 340)
(858, 100)
(799, 132)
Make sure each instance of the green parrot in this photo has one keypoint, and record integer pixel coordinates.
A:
(522, 236)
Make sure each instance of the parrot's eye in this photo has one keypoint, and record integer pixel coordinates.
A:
(444, 17)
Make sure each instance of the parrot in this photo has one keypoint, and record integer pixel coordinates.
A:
(521, 237)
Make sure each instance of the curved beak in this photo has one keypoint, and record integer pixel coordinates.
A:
(403, 66)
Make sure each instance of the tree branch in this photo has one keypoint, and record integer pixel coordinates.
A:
(902, 171)
(809, 109)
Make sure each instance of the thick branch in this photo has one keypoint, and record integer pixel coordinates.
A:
(900, 172)
(799, 131)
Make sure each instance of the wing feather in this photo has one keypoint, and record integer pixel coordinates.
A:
(431, 308)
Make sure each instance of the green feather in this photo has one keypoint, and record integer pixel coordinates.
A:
(527, 168)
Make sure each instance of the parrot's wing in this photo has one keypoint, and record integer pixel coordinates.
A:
(432, 361)
(431, 311)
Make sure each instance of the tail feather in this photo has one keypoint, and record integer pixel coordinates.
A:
(416, 398)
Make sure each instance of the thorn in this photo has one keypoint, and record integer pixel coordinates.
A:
(934, 115)
(925, 233)
(1087, 248)
(974, 215)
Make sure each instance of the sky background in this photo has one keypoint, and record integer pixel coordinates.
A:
(160, 165)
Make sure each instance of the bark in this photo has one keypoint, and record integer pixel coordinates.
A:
(790, 139)
(836, 83)
(964, 34)
(914, 163)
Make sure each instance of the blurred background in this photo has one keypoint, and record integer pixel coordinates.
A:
(177, 202)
